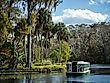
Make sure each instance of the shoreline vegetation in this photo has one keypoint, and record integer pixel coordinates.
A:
(28, 35)
(52, 68)
(28, 41)
(48, 68)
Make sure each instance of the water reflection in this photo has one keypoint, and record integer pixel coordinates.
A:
(27, 79)
(47, 78)
(77, 82)
(79, 79)
(54, 79)
(57, 78)
(10, 81)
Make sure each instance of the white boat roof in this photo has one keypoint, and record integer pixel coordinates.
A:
(69, 62)
(82, 62)
(79, 62)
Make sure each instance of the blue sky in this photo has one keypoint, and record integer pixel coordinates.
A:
(82, 11)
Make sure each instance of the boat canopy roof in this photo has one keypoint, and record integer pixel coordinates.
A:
(82, 62)
(79, 62)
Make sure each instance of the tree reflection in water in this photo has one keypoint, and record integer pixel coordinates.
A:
(27, 79)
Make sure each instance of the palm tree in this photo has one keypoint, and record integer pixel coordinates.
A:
(62, 34)
(43, 27)
(21, 31)
(31, 5)
(47, 28)
(5, 29)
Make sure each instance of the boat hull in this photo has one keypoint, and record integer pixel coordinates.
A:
(74, 74)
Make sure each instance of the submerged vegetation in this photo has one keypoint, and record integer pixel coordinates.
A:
(34, 40)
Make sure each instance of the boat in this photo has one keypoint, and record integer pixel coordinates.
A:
(77, 68)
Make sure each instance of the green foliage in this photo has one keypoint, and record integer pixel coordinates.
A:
(47, 62)
(5, 27)
(91, 42)
(65, 51)
(41, 23)
(61, 31)
(37, 64)
(22, 28)
(60, 68)
(36, 54)
(54, 55)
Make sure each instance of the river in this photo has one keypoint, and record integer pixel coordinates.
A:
(57, 78)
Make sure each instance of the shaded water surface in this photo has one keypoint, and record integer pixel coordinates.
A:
(56, 78)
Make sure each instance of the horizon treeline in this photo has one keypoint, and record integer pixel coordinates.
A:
(91, 42)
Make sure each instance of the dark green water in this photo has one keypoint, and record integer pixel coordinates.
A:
(56, 78)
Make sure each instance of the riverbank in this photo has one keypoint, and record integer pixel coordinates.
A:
(52, 68)
(34, 69)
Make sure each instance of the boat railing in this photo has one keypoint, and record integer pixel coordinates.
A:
(82, 68)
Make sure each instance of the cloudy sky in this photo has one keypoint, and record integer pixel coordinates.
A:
(82, 11)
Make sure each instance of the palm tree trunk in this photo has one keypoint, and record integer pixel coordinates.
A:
(33, 47)
(25, 47)
(38, 38)
(29, 50)
(28, 64)
(41, 49)
(46, 45)
(59, 50)
(10, 5)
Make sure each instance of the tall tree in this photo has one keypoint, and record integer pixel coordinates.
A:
(31, 4)
(61, 33)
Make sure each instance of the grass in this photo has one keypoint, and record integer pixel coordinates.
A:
(53, 67)
(58, 67)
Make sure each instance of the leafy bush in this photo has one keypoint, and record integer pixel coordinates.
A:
(37, 64)
(47, 62)
(5, 27)
(54, 55)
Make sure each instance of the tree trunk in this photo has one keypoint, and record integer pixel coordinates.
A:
(28, 64)
(59, 60)
(29, 51)
(46, 45)
(38, 38)
(41, 49)
(33, 47)
(25, 47)
(10, 4)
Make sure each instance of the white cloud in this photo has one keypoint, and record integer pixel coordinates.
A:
(92, 2)
(99, 1)
(72, 16)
